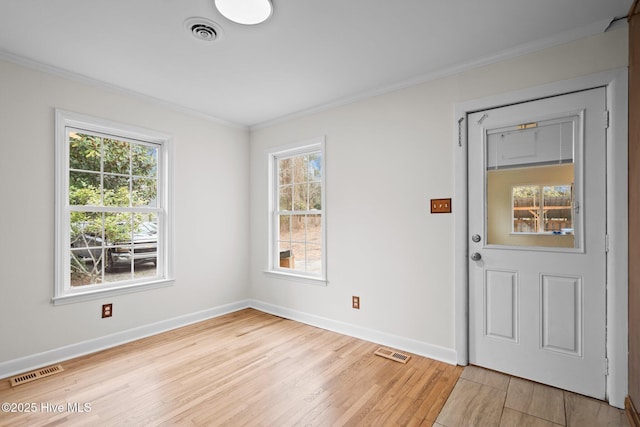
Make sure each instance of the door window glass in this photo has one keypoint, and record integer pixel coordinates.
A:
(530, 180)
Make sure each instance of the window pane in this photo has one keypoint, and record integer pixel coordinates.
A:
(285, 202)
(558, 208)
(315, 196)
(145, 246)
(314, 229)
(285, 171)
(87, 248)
(144, 160)
(85, 267)
(85, 229)
(116, 191)
(526, 209)
(300, 197)
(285, 256)
(126, 250)
(525, 165)
(117, 269)
(315, 167)
(146, 224)
(298, 253)
(298, 228)
(144, 193)
(118, 228)
(299, 236)
(84, 189)
(300, 169)
(107, 175)
(314, 258)
(285, 227)
(84, 151)
(117, 156)
(298, 215)
(145, 269)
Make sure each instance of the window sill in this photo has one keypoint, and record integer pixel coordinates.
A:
(73, 297)
(318, 281)
(542, 233)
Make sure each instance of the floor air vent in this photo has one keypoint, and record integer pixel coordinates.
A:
(35, 375)
(393, 355)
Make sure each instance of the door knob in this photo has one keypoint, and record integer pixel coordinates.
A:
(476, 238)
(476, 256)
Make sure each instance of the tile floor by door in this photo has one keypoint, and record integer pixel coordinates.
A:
(487, 398)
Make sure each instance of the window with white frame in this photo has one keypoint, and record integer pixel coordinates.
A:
(112, 208)
(297, 243)
(542, 209)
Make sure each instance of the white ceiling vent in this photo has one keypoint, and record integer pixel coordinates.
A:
(203, 29)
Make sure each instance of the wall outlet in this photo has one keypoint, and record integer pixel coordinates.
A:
(107, 310)
(355, 302)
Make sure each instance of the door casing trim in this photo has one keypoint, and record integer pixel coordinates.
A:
(616, 84)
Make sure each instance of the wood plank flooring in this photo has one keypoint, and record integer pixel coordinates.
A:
(247, 368)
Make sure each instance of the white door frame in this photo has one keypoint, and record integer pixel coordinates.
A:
(616, 84)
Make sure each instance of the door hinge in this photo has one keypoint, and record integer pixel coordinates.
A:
(606, 366)
(460, 131)
(606, 243)
(606, 119)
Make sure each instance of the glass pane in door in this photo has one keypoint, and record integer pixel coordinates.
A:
(530, 178)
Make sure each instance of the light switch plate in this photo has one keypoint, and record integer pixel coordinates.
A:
(440, 205)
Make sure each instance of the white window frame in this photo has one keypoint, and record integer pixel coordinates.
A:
(274, 269)
(64, 293)
(541, 200)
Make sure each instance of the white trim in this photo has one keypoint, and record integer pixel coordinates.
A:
(63, 294)
(615, 82)
(281, 274)
(24, 364)
(618, 231)
(73, 76)
(111, 291)
(61, 354)
(420, 348)
(291, 150)
(588, 30)
(523, 49)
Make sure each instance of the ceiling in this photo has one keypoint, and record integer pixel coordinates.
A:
(310, 54)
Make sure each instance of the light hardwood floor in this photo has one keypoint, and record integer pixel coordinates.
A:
(252, 369)
(245, 368)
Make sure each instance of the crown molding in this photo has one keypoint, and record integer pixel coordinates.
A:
(70, 75)
(592, 29)
(523, 49)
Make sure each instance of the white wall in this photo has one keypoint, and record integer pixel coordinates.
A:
(385, 158)
(210, 214)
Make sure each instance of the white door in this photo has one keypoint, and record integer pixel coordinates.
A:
(537, 244)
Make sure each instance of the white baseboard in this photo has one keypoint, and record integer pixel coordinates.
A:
(39, 360)
(420, 348)
(35, 361)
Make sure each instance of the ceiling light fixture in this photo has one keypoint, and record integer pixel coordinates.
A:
(246, 12)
